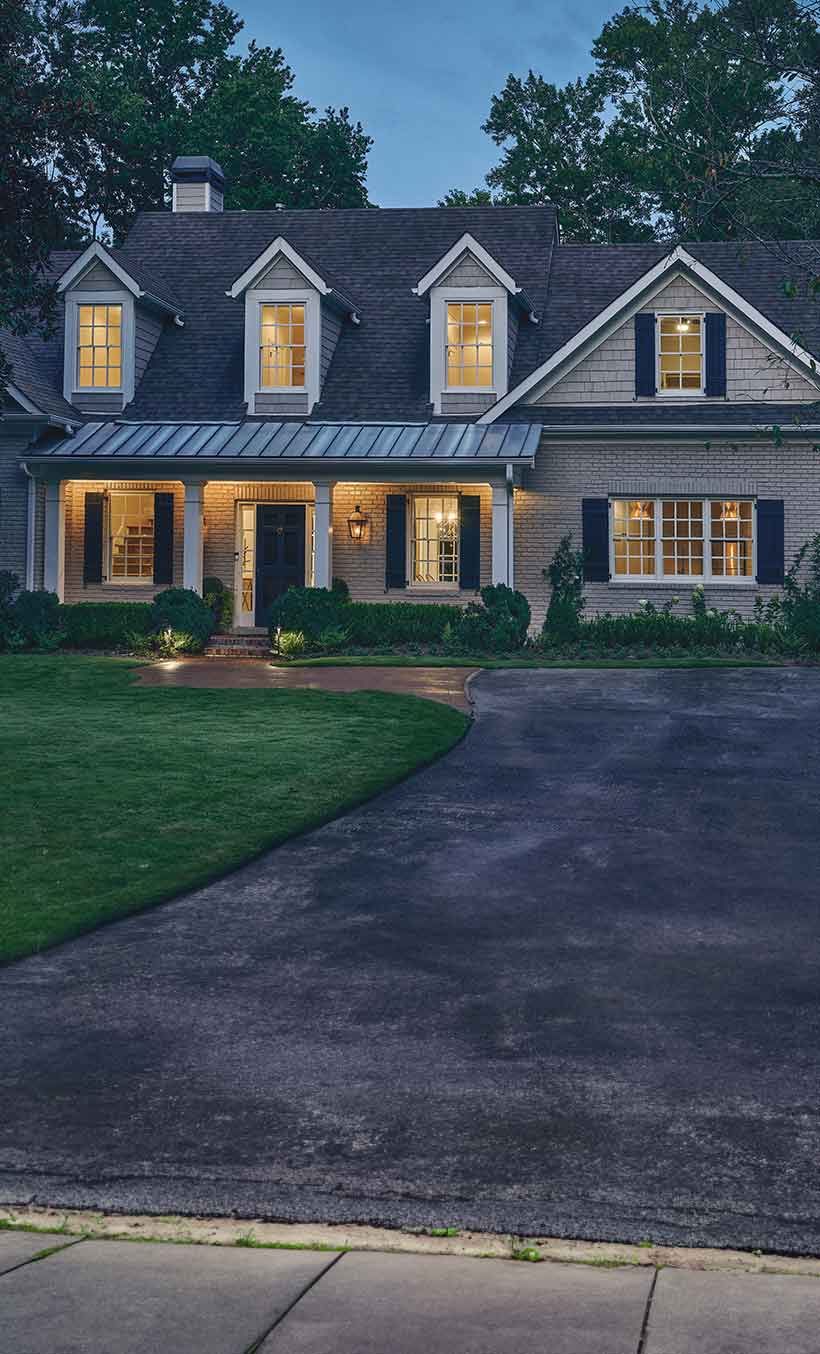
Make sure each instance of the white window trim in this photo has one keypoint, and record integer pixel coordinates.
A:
(71, 391)
(681, 394)
(108, 579)
(497, 297)
(659, 579)
(254, 300)
(412, 584)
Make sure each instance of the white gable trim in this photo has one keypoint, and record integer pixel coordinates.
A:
(679, 263)
(96, 254)
(279, 246)
(470, 245)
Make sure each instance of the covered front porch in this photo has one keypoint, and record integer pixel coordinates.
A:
(418, 529)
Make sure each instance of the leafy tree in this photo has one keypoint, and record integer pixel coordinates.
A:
(41, 115)
(699, 121)
(457, 197)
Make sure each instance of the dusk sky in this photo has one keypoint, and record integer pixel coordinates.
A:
(420, 76)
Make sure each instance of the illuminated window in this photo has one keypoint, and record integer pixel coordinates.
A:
(633, 530)
(282, 345)
(99, 347)
(131, 535)
(469, 343)
(666, 538)
(732, 538)
(682, 537)
(680, 354)
(435, 539)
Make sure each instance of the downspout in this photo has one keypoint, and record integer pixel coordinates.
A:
(31, 524)
(510, 477)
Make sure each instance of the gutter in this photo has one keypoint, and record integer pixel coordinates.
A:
(675, 432)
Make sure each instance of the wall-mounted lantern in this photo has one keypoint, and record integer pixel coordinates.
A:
(357, 524)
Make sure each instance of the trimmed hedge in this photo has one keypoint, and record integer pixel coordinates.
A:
(370, 624)
(103, 625)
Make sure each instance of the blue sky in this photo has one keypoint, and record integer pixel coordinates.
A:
(420, 75)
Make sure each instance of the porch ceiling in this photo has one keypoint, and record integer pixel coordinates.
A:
(280, 442)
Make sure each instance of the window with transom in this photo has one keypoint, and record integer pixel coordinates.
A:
(669, 538)
(282, 345)
(435, 540)
(131, 537)
(99, 347)
(680, 354)
(469, 349)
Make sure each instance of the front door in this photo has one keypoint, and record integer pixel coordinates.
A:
(280, 553)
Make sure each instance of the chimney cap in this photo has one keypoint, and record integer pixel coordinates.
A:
(197, 169)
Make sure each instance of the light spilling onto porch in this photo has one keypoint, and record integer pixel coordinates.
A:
(357, 524)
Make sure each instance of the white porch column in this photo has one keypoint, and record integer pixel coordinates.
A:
(323, 534)
(54, 544)
(192, 535)
(502, 543)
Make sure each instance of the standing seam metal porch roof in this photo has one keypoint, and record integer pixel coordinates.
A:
(267, 441)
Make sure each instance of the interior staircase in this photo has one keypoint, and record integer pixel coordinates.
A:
(239, 644)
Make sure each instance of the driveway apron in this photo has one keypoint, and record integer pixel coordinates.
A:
(564, 981)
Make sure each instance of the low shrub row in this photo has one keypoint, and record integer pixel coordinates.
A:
(104, 625)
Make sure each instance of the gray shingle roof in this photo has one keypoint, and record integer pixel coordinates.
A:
(255, 440)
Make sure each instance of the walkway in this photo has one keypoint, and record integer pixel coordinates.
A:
(95, 1297)
(437, 684)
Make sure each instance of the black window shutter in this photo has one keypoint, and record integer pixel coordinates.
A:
(595, 533)
(163, 538)
(644, 354)
(469, 556)
(716, 354)
(396, 559)
(93, 539)
(770, 546)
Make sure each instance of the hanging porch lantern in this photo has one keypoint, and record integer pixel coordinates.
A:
(357, 524)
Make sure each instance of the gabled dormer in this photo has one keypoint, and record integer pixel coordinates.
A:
(293, 318)
(113, 321)
(475, 308)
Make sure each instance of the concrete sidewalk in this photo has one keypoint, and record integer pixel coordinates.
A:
(79, 1296)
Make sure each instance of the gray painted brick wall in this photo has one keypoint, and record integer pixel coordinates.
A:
(13, 504)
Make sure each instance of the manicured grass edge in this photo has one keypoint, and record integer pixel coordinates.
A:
(206, 876)
(440, 661)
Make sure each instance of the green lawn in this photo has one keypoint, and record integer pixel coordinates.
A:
(117, 796)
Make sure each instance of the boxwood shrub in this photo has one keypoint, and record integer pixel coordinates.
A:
(104, 625)
(372, 624)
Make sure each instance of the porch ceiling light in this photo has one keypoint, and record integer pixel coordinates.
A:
(357, 524)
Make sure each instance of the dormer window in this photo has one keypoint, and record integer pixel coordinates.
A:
(99, 347)
(680, 354)
(282, 346)
(469, 349)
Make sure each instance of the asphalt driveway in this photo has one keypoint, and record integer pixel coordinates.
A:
(565, 981)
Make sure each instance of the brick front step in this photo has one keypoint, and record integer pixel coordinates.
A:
(238, 646)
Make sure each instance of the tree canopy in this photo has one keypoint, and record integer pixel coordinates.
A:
(698, 121)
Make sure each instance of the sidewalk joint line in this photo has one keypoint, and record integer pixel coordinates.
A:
(644, 1335)
(257, 1343)
(45, 1254)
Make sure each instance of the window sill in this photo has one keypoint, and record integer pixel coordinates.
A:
(683, 582)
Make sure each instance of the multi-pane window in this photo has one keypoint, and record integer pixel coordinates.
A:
(732, 538)
(633, 531)
(435, 539)
(668, 538)
(469, 343)
(99, 347)
(682, 537)
(282, 345)
(131, 534)
(680, 353)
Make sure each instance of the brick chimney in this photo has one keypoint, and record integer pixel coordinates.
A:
(198, 184)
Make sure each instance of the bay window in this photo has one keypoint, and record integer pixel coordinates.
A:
(664, 539)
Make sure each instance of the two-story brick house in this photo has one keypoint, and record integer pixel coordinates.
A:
(416, 401)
